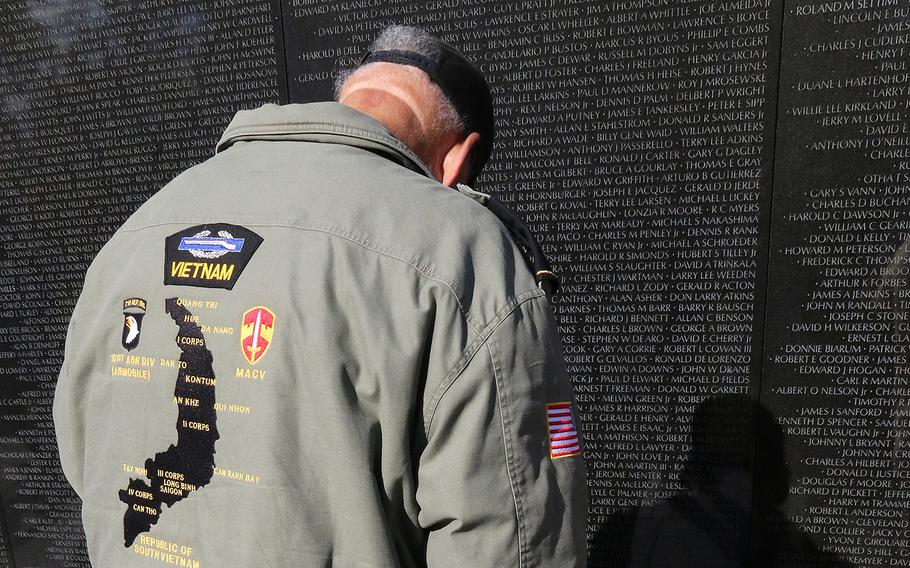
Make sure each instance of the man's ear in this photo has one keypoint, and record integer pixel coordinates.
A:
(455, 163)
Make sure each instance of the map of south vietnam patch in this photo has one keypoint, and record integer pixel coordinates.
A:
(208, 256)
(256, 333)
(188, 465)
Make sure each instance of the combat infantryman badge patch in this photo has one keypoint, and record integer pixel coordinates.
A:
(256, 333)
(133, 311)
(209, 256)
(561, 425)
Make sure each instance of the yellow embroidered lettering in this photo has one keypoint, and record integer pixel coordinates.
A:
(245, 373)
(202, 270)
(209, 271)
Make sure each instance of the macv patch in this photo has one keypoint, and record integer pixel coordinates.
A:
(208, 256)
(256, 333)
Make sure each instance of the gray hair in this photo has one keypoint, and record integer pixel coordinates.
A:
(415, 40)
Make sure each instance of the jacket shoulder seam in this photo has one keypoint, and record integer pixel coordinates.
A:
(505, 420)
(471, 350)
(427, 272)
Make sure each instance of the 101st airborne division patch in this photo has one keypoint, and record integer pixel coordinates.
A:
(133, 312)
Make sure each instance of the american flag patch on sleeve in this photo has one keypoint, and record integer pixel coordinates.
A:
(561, 425)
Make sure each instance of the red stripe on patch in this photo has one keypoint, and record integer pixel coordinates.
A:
(561, 429)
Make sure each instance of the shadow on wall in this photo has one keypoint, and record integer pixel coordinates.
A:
(711, 525)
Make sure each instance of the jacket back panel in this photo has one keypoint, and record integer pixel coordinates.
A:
(377, 375)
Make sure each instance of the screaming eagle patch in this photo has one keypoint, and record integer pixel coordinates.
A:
(209, 256)
(133, 311)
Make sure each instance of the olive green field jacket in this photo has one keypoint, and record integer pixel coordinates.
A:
(305, 351)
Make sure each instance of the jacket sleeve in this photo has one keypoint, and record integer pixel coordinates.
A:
(492, 490)
(72, 395)
(69, 403)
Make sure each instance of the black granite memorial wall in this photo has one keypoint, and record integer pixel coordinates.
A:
(723, 186)
(102, 104)
(836, 353)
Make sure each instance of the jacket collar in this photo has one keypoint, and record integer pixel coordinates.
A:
(327, 122)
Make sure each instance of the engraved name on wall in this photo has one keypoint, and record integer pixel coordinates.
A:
(102, 104)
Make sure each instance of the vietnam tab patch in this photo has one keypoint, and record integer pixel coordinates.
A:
(208, 256)
(561, 426)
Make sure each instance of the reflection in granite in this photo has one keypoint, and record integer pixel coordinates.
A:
(736, 480)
